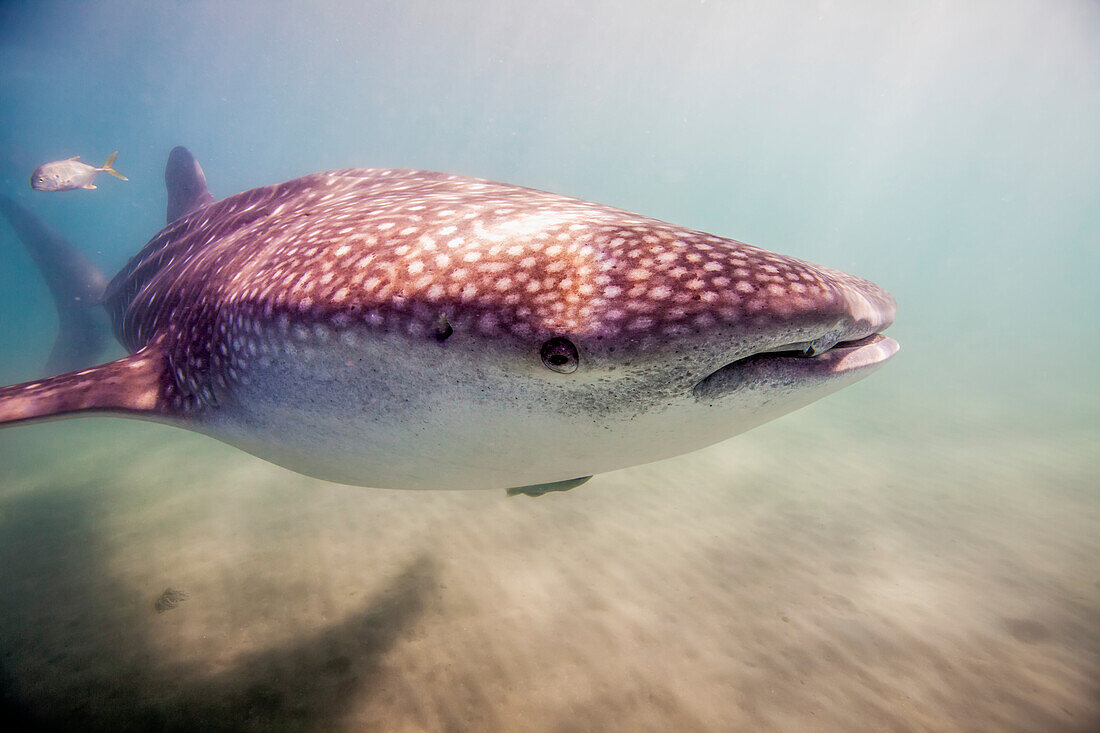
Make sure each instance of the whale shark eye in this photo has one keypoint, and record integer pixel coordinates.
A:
(560, 355)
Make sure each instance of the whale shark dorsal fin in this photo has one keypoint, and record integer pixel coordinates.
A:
(186, 184)
(132, 386)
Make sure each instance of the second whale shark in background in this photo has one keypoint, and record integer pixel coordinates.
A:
(418, 330)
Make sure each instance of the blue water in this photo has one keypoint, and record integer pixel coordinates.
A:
(949, 152)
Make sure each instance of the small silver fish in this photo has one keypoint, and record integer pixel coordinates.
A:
(65, 175)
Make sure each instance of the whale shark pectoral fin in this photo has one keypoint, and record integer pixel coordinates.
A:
(186, 184)
(76, 285)
(132, 386)
(540, 489)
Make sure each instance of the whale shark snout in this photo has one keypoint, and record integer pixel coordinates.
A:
(799, 343)
(840, 308)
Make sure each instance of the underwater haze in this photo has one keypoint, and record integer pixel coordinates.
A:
(920, 551)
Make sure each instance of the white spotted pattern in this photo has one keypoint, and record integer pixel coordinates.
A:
(398, 250)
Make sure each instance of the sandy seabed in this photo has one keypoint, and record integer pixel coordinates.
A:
(845, 568)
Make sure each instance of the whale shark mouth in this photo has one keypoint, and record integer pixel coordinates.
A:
(797, 362)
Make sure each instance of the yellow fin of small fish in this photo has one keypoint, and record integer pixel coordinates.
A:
(108, 167)
(90, 185)
(75, 157)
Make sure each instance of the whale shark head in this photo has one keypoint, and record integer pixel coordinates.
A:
(569, 341)
(411, 329)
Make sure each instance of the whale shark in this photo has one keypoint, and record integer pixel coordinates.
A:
(412, 329)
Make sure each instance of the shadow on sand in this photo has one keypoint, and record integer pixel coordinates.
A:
(75, 651)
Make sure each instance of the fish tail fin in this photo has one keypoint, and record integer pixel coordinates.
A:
(131, 386)
(75, 283)
(109, 167)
